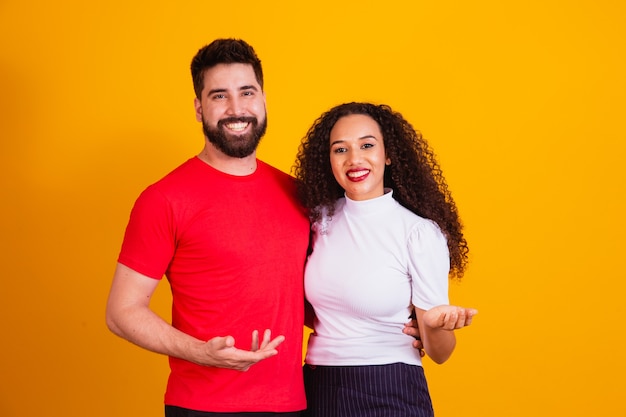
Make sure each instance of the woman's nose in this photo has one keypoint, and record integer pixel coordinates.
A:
(354, 156)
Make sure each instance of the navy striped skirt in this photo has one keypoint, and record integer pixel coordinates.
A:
(394, 390)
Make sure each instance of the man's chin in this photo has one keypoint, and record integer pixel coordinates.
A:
(237, 151)
(239, 155)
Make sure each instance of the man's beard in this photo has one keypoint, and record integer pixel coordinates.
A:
(236, 146)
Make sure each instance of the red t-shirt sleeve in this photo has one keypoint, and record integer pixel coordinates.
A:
(149, 240)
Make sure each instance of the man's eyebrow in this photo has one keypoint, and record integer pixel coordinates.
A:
(216, 90)
(224, 90)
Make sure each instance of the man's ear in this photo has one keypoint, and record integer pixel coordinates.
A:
(197, 104)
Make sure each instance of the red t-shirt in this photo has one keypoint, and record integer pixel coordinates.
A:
(233, 249)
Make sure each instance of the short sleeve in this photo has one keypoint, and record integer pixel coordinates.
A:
(149, 240)
(429, 265)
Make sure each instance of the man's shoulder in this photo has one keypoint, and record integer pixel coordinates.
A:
(184, 170)
(271, 171)
(271, 168)
(174, 179)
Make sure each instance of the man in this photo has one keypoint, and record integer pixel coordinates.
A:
(227, 232)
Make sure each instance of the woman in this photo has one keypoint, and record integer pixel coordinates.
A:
(386, 237)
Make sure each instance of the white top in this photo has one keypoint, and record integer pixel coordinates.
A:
(370, 262)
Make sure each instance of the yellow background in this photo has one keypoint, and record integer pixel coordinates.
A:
(523, 102)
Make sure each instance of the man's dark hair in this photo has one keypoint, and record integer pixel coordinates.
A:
(223, 51)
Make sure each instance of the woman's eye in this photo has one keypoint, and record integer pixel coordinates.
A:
(367, 145)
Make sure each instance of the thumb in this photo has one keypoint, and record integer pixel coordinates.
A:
(219, 343)
(229, 341)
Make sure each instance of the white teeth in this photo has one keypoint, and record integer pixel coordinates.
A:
(237, 126)
(356, 174)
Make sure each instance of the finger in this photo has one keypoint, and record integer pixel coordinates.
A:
(457, 316)
(442, 320)
(273, 344)
(470, 313)
(417, 344)
(411, 323)
(465, 317)
(411, 331)
(255, 341)
(267, 351)
(267, 335)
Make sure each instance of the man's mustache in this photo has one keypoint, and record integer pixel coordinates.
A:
(228, 120)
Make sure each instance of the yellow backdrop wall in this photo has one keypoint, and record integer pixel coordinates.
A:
(523, 102)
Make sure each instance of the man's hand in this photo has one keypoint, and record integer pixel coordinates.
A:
(448, 317)
(412, 329)
(221, 351)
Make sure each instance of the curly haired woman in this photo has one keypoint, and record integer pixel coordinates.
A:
(386, 238)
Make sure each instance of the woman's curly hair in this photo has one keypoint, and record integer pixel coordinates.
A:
(414, 174)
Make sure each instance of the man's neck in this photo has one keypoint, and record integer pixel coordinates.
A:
(228, 164)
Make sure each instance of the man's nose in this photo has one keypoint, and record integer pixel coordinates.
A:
(235, 106)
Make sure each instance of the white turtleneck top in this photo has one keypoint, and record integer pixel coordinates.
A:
(370, 262)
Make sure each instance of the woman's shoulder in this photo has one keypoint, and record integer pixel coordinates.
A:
(417, 224)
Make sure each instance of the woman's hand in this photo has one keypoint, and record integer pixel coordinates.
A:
(447, 317)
